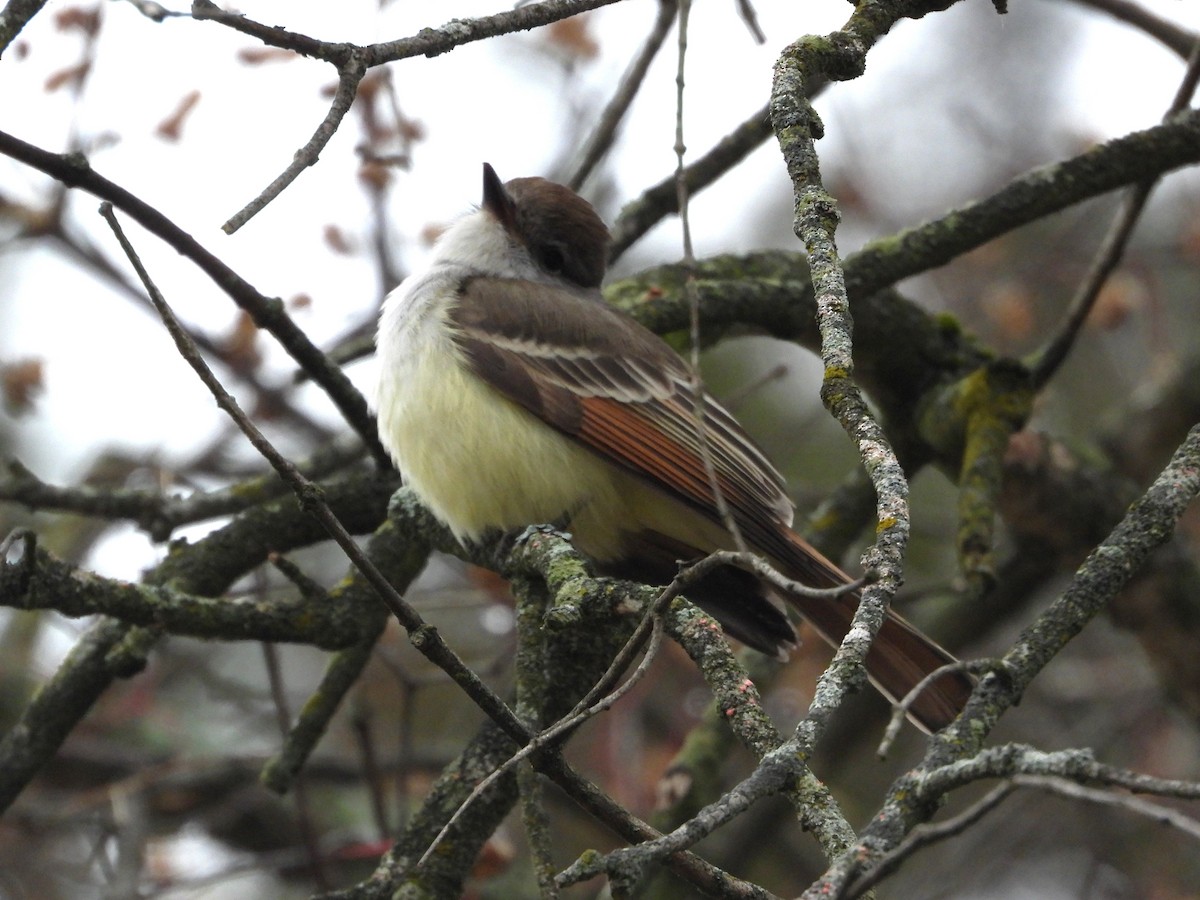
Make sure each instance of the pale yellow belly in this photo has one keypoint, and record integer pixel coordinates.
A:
(481, 462)
(478, 460)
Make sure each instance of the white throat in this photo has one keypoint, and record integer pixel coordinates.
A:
(476, 459)
(478, 243)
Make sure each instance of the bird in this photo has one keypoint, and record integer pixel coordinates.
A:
(510, 393)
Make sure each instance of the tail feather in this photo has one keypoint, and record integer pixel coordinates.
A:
(901, 655)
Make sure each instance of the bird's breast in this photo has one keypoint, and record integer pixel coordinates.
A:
(475, 458)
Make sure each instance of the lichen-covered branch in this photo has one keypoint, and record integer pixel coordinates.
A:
(1106, 167)
(955, 753)
(158, 513)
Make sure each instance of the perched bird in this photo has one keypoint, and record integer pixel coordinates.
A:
(511, 394)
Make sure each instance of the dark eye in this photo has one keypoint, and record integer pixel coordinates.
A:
(551, 258)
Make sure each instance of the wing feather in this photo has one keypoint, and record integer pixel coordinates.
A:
(589, 371)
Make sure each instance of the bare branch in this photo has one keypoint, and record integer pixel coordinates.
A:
(428, 42)
(107, 651)
(662, 200)
(15, 16)
(1117, 163)
(924, 836)
(74, 171)
(601, 139)
(1135, 14)
(955, 756)
(424, 638)
(841, 56)
(50, 583)
(159, 514)
(1046, 361)
(1156, 812)
(350, 73)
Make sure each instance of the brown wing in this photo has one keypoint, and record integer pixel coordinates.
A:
(598, 376)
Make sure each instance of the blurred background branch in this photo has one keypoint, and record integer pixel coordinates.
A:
(145, 745)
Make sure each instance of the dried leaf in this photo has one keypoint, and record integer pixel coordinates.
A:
(337, 240)
(257, 56)
(71, 76)
(1122, 295)
(241, 346)
(21, 382)
(171, 128)
(431, 233)
(78, 18)
(374, 174)
(1009, 306)
(572, 36)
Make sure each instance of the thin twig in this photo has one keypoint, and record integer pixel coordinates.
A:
(424, 638)
(746, 10)
(760, 567)
(427, 42)
(605, 132)
(901, 708)
(924, 835)
(662, 200)
(304, 819)
(1047, 361)
(155, 12)
(689, 286)
(1178, 39)
(1156, 812)
(272, 36)
(73, 170)
(350, 74)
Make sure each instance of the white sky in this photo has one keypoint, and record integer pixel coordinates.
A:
(108, 363)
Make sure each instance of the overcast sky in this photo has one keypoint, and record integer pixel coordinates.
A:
(108, 363)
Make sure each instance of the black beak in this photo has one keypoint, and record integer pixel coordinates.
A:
(496, 199)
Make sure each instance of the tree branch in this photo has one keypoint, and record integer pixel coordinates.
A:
(269, 314)
(350, 75)
(1117, 163)
(14, 17)
(955, 755)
